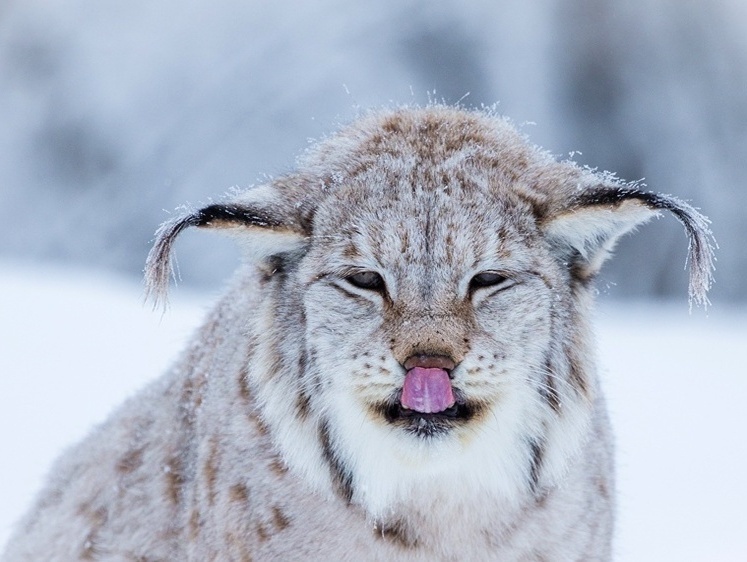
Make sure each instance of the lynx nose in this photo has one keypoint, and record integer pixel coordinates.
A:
(429, 362)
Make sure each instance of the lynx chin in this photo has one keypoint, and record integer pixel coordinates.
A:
(402, 369)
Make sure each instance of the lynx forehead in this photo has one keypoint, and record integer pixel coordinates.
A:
(403, 370)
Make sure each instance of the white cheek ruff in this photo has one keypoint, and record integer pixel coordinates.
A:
(393, 469)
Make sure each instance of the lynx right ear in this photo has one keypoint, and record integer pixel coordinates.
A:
(264, 227)
(589, 226)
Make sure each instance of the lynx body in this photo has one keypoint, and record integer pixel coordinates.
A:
(403, 369)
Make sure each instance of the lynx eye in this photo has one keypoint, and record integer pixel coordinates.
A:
(369, 280)
(489, 279)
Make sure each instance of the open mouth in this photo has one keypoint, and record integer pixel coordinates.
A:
(427, 405)
(427, 424)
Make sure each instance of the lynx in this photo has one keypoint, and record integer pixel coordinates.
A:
(402, 369)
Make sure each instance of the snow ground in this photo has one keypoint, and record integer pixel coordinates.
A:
(74, 344)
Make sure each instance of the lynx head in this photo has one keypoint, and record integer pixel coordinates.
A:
(429, 274)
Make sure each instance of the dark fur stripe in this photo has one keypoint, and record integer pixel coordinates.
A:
(549, 389)
(537, 452)
(578, 380)
(303, 405)
(341, 475)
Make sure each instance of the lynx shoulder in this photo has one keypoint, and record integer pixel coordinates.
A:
(402, 369)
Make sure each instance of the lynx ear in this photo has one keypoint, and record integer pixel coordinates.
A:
(264, 227)
(590, 226)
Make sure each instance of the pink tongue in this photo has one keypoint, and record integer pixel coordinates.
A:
(427, 391)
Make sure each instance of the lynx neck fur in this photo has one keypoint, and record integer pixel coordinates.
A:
(403, 368)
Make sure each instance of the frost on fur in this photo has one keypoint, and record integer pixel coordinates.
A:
(403, 370)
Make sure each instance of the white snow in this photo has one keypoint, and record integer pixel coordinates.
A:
(74, 344)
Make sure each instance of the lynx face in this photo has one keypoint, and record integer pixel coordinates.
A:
(430, 320)
(427, 277)
(424, 321)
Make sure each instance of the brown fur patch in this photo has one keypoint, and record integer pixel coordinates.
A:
(238, 493)
(303, 405)
(194, 524)
(405, 241)
(280, 520)
(174, 472)
(577, 376)
(91, 549)
(582, 275)
(277, 466)
(210, 470)
(191, 398)
(262, 533)
(392, 124)
(97, 518)
(397, 533)
(351, 252)
(130, 461)
(243, 382)
(258, 423)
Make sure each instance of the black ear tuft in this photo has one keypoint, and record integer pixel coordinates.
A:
(268, 230)
(231, 215)
(594, 220)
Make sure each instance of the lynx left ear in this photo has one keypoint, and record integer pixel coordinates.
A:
(596, 218)
(264, 225)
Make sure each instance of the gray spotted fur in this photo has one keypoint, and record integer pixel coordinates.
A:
(269, 439)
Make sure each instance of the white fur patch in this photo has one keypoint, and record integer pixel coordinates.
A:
(594, 230)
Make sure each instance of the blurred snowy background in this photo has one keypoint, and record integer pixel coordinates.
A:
(112, 113)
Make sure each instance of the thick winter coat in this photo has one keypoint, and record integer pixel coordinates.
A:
(403, 369)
